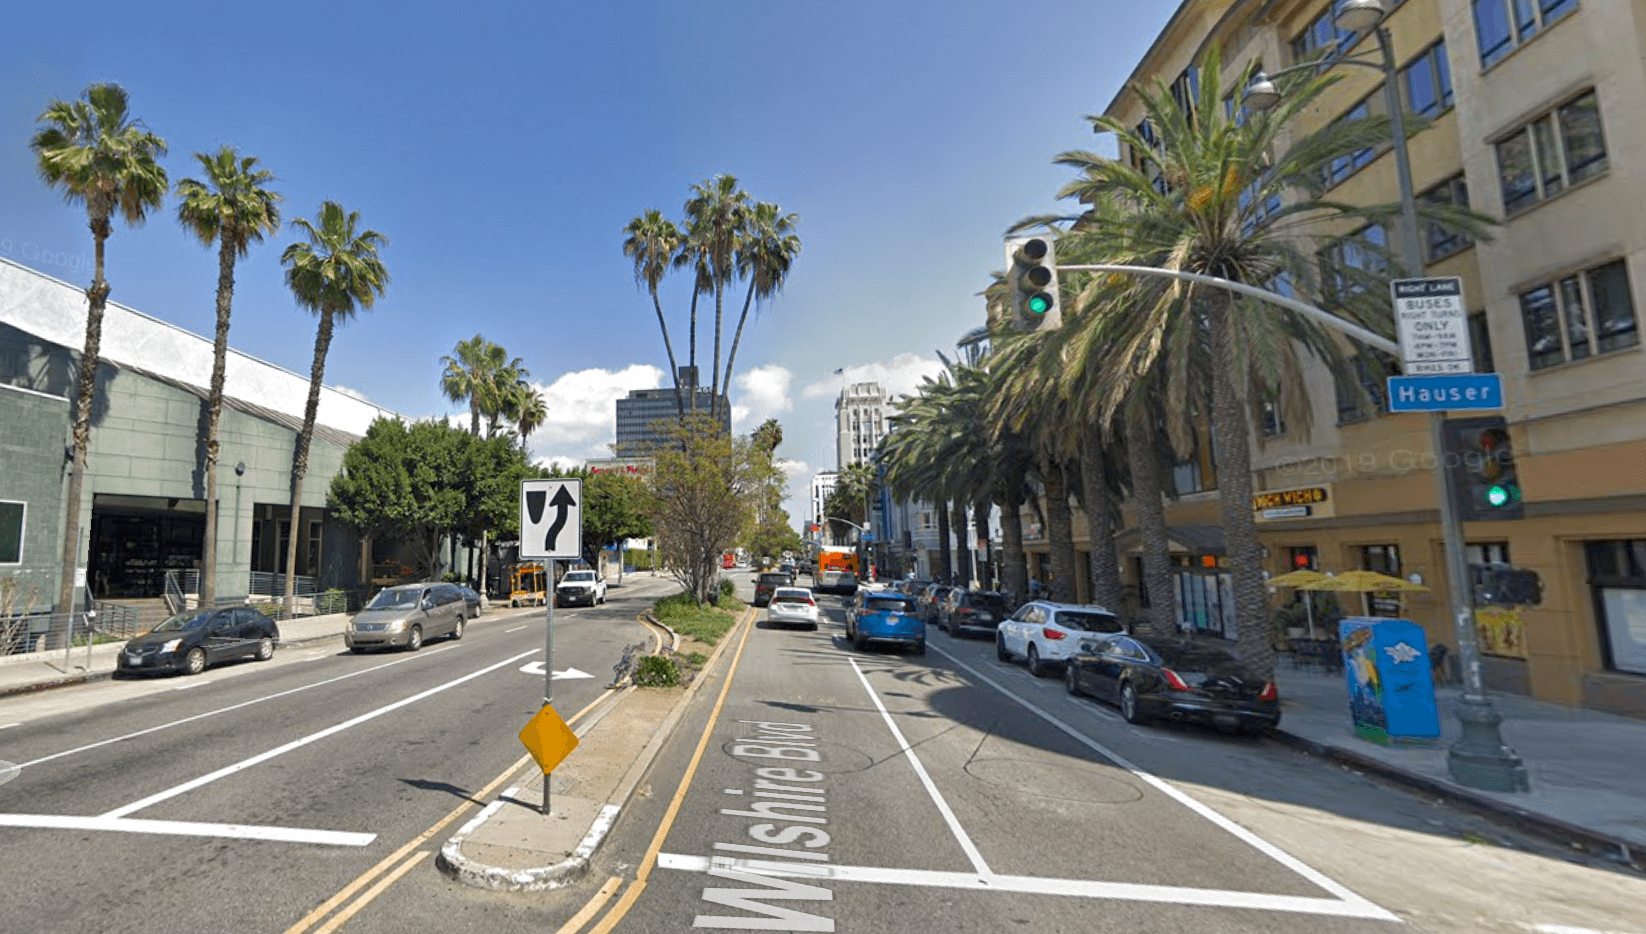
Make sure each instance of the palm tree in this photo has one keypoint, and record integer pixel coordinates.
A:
(501, 394)
(716, 220)
(532, 412)
(233, 208)
(1217, 210)
(465, 375)
(101, 157)
(764, 257)
(653, 243)
(333, 275)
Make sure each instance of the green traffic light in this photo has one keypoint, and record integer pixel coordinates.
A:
(1498, 495)
(1039, 304)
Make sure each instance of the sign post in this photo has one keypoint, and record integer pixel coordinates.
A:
(551, 528)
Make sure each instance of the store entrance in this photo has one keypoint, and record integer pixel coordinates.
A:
(136, 539)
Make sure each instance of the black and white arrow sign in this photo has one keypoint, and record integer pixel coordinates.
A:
(551, 518)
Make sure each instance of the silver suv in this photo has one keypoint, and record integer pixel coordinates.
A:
(406, 616)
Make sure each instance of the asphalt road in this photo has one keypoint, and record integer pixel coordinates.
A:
(240, 799)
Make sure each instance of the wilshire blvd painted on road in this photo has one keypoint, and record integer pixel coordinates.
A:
(793, 796)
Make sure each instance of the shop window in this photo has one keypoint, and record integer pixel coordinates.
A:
(1384, 559)
(1617, 577)
(1302, 557)
(12, 516)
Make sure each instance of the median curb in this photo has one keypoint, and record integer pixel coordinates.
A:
(471, 871)
(1592, 842)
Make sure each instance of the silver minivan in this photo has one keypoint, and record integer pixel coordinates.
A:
(406, 616)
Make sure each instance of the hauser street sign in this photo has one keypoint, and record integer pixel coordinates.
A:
(1445, 393)
(1433, 326)
(551, 518)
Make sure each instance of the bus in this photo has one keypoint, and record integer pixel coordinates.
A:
(833, 564)
(728, 561)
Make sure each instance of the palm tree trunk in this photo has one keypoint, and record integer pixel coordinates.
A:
(674, 371)
(1234, 488)
(1160, 619)
(693, 403)
(980, 521)
(474, 413)
(214, 417)
(300, 461)
(737, 337)
(1099, 503)
(1059, 531)
(963, 546)
(97, 300)
(1016, 572)
(714, 380)
(943, 540)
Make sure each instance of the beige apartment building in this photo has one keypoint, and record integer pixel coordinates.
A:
(1536, 119)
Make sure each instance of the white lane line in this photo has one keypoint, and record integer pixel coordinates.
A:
(1251, 839)
(515, 629)
(189, 686)
(223, 710)
(187, 829)
(920, 770)
(9, 726)
(1077, 888)
(299, 743)
(1565, 929)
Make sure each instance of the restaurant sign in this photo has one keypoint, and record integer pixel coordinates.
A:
(1308, 502)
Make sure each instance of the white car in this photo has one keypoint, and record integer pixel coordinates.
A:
(1047, 635)
(580, 587)
(792, 606)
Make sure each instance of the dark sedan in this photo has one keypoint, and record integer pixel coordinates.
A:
(193, 641)
(972, 609)
(767, 584)
(1188, 680)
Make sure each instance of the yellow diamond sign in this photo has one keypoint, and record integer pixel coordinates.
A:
(548, 739)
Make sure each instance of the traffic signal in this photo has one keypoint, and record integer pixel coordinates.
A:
(1480, 466)
(1031, 283)
(1504, 585)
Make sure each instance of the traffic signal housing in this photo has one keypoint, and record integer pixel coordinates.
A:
(1480, 467)
(1031, 283)
(1505, 585)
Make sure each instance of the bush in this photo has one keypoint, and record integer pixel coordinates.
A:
(727, 588)
(334, 600)
(704, 623)
(657, 671)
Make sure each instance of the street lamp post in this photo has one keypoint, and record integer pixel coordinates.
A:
(1480, 758)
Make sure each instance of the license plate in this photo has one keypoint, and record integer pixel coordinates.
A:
(133, 659)
(1225, 719)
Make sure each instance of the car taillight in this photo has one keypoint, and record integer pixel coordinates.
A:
(965, 611)
(1053, 634)
(1176, 683)
(1269, 692)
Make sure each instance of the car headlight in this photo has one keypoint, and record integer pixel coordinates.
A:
(171, 646)
(396, 626)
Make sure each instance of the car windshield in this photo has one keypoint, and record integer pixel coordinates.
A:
(578, 576)
(1089, 622)
(394, 599)
(774, 578)
(887, 605)
(183, 621)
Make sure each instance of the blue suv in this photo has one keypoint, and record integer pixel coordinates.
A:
(885, 616)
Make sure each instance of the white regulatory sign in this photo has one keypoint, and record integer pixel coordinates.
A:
(551, 518)
(1433, 326)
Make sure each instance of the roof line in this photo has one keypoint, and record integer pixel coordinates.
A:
(1234, 10)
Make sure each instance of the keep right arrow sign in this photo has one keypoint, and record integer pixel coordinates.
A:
(551, 518)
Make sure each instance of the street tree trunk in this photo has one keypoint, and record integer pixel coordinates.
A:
(97, 298)
(1016, 572)
(300, 461)
(1143, 461)
(1100, 528)
(1232, 430)
(943, 539)
(1059, 531)
(980, 522)
(963, 545)
(214, 418)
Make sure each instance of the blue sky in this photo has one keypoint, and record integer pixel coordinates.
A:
(502, 148)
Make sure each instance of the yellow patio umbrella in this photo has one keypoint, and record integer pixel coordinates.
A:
(1301, 579)
(1364, 582)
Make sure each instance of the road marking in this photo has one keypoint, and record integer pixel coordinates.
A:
(299, 743)
(576, 922)
(187, 829)
(9, 726)
(1080, 888)
(372, 893)
(1564, 929)
(536, 668)
(515, 629)
(231, 707)
(187, 687)
(920, 770)
(1251, 839)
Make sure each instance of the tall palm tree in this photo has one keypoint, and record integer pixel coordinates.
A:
(532, 412)
(336, 273)
(653, 243)
(765, 255)
(105, 159)
(503, 390)
(716, 219)
(466, 374)
(232, 208)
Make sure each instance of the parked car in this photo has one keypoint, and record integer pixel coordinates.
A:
(766, 584)
(471, 600)
(884, 616)
(407, 615)
(930, 601)
(793, 606)
(585, 587)
(972, 609)
(913, 587)
(194, 641)
(1191, 680)
(1046, 634)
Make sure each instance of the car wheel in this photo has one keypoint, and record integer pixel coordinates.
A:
(1069, 679)
(1000, 648)
(859, 643)
(457, 630)
(920, 647)
(415, 640)
(1129, 711)
(265, 649)
(953, 630)
(1036, 666)
(194, 662)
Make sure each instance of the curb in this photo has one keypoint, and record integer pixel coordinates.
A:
(68, 681)
(455, 865)
(1592, 842)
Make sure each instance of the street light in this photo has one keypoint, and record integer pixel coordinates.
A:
(1479, 758)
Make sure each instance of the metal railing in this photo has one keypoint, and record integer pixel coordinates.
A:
(182, 590)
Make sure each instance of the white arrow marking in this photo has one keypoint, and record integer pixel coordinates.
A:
(536, 668)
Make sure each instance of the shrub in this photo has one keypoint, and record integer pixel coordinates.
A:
(727, 588)
(657, 671)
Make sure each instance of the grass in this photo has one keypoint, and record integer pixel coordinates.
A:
(706, 624)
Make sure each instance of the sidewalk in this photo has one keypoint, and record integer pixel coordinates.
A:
(37, 671)
(1587, 769)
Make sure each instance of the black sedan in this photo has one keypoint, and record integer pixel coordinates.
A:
(1190, 680)
(193, 641)
(767, 584)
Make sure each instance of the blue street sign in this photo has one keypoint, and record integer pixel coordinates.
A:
(1445, 393)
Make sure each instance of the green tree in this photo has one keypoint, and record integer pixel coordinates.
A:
(653, 243)
(716, 219)
(407, 482)
(233, 207)
(765, 254)
(103, 158)
(614, 512)
(699, 500)
(467, 370)
(337, 272)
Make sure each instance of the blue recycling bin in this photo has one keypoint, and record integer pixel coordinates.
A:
(1391, 689)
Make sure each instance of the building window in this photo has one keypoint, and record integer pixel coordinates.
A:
(1579, 316)
(1272, 423)
(1502, 25)
(1351, 264)
(314, 550)
(12, 516)
(1480, 343)
(1335, 170)
(1321, 37)
(1617, 575)
(1552, 153)
(1303, 557)
(1366, 378)
(1186, 89)
(1441, 240)
(1257, 208)
(1428, 81)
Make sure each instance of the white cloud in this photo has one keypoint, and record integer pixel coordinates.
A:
(582, 408)
(763, 392)
(901, 375)
(351, 393)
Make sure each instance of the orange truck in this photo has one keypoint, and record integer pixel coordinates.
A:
(837, 570)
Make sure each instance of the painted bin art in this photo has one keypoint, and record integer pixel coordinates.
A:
(1391, 689)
